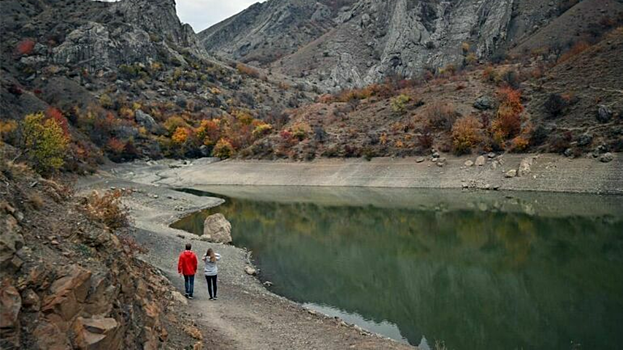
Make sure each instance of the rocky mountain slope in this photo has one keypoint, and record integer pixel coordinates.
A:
(370, 40)
(270, 30)
(572, 105)
(117, 73)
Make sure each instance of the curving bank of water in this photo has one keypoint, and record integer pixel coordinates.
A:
(510, 270)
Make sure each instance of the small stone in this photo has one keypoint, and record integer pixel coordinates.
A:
(250, 270)
(511, 173)
(420, 160)
(436, 154)
(469, 163)
(525, 167)
(268, 284)
(606, 157)
(480, 161)
(491, 155)
(604, 114)
(311, 312)
(585, 140)
(483, 103)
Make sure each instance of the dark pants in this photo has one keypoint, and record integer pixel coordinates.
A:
(189, 284)
(211, 285)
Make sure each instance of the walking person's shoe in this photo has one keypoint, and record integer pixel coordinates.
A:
(190, 297)
(214, 298)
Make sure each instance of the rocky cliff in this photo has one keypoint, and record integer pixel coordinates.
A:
(369, 40)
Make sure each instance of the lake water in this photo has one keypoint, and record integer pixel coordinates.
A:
(475, 270)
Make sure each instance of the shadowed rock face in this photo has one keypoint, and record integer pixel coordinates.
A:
(267, 31)
(369, 40)
(126, 32)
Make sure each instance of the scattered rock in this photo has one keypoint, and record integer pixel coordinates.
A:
(250, 270)
(469, 163)
(177, 296)
(441, 162)
(10, 239)
(217, 229)
(484, 103)
(145, 120)
(525, 167)
(491, 155)
(10, 304)
(606, 157)
(585, 140)
(268, 284)
(480, 161)
(604, 114)
(97, 333)
(511, 173)
(420, 160)
(568, 153)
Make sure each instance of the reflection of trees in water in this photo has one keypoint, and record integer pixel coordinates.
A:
(475, 279)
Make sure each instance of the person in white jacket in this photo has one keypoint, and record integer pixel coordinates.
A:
(211, 270)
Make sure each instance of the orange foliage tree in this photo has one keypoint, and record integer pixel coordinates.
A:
(507, 124)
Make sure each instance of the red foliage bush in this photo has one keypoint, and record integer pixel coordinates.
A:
(59, 118)
(25, 47)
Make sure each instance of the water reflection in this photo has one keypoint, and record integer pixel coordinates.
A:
(474, 278)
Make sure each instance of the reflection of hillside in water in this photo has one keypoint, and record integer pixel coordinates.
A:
(475, 279)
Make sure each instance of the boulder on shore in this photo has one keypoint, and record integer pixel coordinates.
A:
(480, 161)
(525, 167)
(217, 229)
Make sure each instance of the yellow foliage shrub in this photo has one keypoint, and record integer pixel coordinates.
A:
(45, 142)
(466, 133)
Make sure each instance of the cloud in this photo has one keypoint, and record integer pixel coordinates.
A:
(201, 14)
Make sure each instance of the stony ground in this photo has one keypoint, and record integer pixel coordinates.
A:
(246, 315)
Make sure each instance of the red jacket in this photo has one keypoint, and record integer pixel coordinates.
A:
(187, 264)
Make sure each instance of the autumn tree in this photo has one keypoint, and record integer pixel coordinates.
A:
(45, 142)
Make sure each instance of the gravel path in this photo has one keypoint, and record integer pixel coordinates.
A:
(246, 315)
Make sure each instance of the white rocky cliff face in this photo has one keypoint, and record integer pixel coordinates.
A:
(366, 41)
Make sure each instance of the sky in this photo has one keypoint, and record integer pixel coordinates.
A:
(201, 14)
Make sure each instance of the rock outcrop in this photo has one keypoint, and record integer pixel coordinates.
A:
(67, 281)
(217, 229)
(149, 31)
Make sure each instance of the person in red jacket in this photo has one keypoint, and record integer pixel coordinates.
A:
(187, 266)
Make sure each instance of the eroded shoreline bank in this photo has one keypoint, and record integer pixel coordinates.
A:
(247, 315)
(545, 173)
